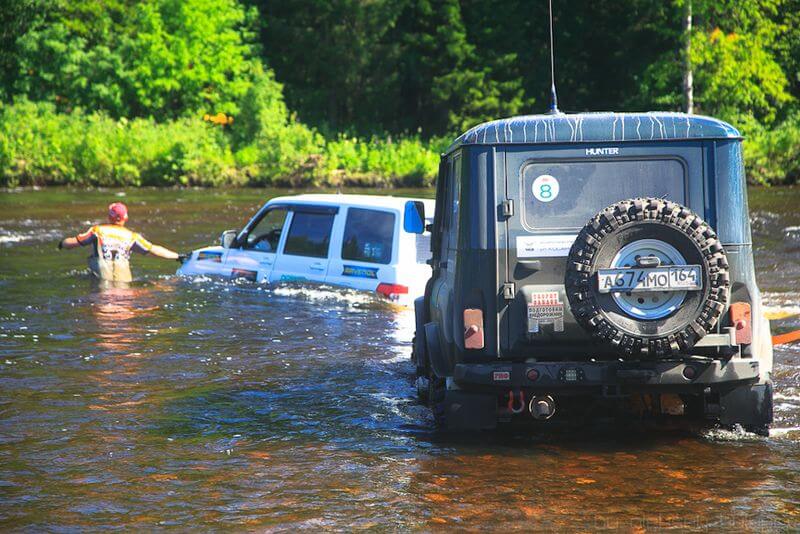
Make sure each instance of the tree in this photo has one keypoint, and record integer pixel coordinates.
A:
(336, 59)
(160, 58)
(16, 17)
(736, 72)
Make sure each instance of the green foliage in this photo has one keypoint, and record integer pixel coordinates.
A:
(41, 146)
(38, 145)
(272, 144)
(737, 76)
(447, 84)
(772, 156)
(396, 65)
(113, 91)
(736, 72)
(338, 59)
(159, 58)
(407, 161)
(188, 55)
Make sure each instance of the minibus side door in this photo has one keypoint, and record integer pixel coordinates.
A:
(304, 253)
(364, 251)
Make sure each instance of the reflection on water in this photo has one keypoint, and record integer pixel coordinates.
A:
(197, 402)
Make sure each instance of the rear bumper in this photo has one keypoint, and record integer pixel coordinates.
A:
(578, 377)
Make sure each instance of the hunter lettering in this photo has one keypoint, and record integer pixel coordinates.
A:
(609, 151)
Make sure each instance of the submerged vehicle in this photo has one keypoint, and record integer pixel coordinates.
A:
(593, 265)
(374, 243)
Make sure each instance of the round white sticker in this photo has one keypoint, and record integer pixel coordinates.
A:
(545, 188)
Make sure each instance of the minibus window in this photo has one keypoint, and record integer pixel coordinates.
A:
(368, 236)
(309, 234)
(266, 234)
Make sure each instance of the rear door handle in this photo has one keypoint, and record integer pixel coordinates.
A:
(531, 265)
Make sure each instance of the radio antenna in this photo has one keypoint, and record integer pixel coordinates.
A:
(553, 96)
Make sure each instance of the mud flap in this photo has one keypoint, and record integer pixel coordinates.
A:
(469, 411)
(749, 406)
(419, 352)
(437, 360)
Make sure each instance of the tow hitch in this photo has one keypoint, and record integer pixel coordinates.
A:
(542, 407)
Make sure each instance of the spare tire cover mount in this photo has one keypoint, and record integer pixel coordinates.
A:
(651, 305)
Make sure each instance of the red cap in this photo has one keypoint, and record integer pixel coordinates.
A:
(117, 212)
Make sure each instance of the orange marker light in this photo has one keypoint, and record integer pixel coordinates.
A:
(741, 318)
(473, 328)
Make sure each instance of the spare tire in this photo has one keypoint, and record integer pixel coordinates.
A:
(647, 323)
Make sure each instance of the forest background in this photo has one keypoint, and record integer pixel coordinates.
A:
(364, 92)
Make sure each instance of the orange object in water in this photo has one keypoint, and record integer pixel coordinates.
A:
(788, 337)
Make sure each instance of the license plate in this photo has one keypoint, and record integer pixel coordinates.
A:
(673, 278)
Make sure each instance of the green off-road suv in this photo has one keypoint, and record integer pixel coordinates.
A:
(593, 265)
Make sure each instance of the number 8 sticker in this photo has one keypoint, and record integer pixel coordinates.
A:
(545, 188)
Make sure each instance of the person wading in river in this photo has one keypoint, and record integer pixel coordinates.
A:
(113, 244)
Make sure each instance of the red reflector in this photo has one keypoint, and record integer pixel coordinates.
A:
(741, 321)
(391, 291)
(533, 375)
(473, 328)
(689, 372)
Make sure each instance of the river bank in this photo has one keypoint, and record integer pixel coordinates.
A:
(39, 146)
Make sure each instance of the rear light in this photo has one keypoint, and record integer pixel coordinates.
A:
(392, 291)
(473, 328)
(689, 372)
(741, 319)
(533, 375)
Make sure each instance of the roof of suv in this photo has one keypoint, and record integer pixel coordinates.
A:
(377, 201)
(597, 128)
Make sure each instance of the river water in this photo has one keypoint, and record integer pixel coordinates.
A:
(217, 405)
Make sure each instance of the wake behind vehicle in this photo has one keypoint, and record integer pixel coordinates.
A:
(374, 243)
(593, 265)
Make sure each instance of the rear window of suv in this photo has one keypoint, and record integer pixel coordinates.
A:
(568, 194)
(368, 236)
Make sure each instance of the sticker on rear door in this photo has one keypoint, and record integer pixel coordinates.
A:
(545, 188)
(544, 246)
(545, 308)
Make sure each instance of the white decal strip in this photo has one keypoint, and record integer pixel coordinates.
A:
(544, 246)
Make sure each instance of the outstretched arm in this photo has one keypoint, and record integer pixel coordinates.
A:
(143, 246)
(161, 252)
(79, 240)
(69, 242)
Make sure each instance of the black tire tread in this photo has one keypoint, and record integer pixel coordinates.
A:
(582, 296)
